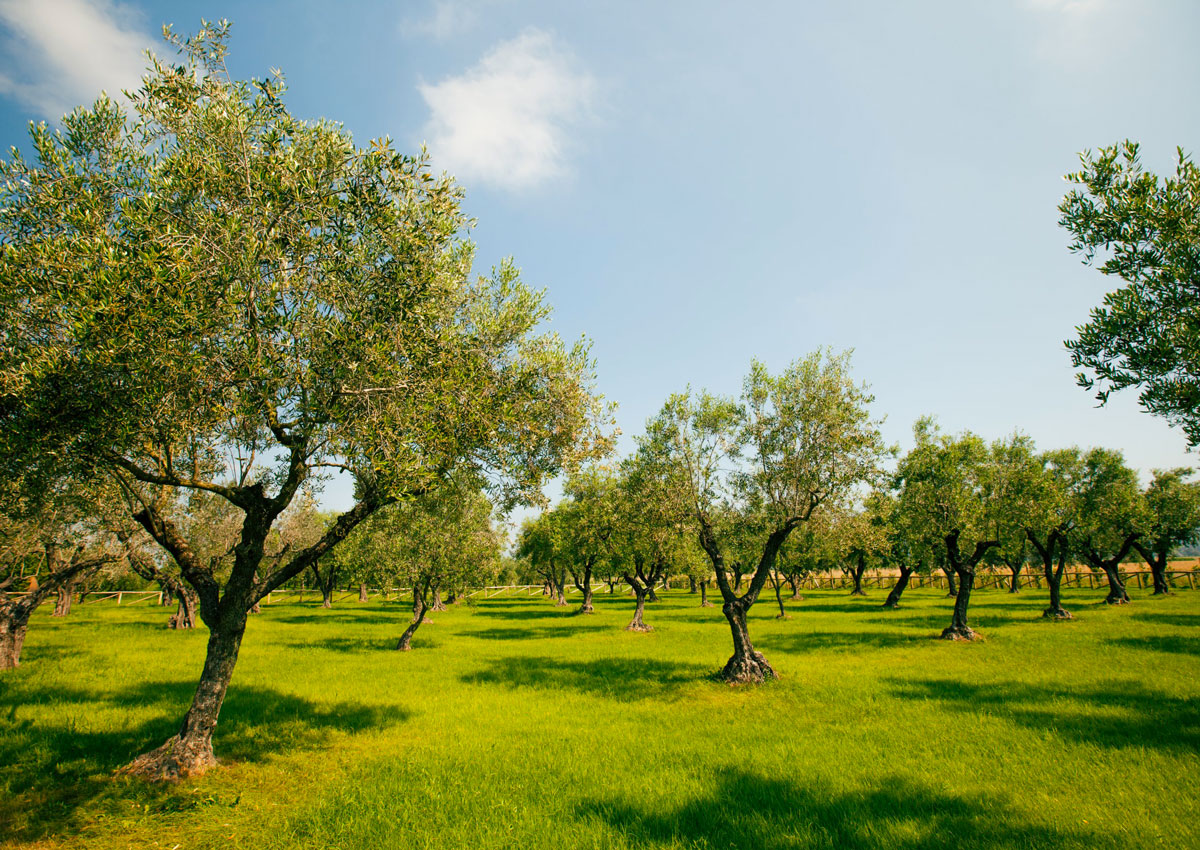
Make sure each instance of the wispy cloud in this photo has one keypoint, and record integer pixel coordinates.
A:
(507, 120)
(446, 19)
(61, 53)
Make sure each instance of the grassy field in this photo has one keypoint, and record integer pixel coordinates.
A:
(516, 724)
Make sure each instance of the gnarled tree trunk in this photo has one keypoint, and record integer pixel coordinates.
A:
(1117, 595)
(1014, 584)
(1053, 575)
(637, 624)
(362, 593)
(585, 586)
(190, 752)
(746, 665)
(1156, 559)
(951, 584)
(964, 569)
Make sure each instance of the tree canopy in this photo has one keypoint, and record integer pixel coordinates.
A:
(1145, 231)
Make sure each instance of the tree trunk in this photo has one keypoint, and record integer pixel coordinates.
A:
(13, 624)
(965, 570)
(166, 597)
(859, 569)
(1014, 585)
(893, 598)
(691, 584)
(778, 584)
(1117, 594)
(1156, 559)
(437, 605)
(1053, 576)
(327, 597)
(190, 753)
(637, 624)
(795, 586)
(362, 593)
(62, 601)
(745, 666)
(958, 629)
(419, 612)
(185, 615)
(586, 587)
(704, 603)
(951, 584)
(650, 594)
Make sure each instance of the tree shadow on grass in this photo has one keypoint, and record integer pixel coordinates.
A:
(747, 810)
(564, 630)
(1163, 618)
(1117, 714)
(622, 679)
(799, 642)
(1175, 644)
(52, 773)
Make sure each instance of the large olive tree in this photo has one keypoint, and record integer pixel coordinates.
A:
(211, 294)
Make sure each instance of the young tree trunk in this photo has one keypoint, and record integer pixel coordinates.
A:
(893, 598)
(704, 603)
(586, 587)
(190, 752)
(778, 585)
(419, 612)
(362, 593)
(637, 624)
(859, 569)
(745, 666)
(185, 615)
(14, 621)
(62, 601)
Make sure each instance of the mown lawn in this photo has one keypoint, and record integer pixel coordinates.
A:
(516, 724)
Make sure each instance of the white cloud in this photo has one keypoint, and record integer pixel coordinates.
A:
(61, 53)
(506, 121)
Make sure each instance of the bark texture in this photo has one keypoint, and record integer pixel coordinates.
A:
(190, 752)
(746, 665)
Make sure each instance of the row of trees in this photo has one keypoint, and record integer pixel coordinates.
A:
(790, 479)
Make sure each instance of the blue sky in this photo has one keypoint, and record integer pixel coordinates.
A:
(700, 183)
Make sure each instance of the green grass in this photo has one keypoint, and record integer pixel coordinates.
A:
(516, 724)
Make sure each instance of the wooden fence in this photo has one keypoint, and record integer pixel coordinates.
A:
(1178, 578)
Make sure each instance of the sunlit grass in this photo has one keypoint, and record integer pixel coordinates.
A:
(513, 723)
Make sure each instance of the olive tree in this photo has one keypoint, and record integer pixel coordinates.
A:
(1143, 230)
(212, 295)
(1173, 519)
(1112, 516)
(944, 486)
(793, 442)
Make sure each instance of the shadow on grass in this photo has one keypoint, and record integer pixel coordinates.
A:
(1175, 644)
(569, 628)
(622, 679)
(1117, 714)
(53, 775)
(798, 642)
(1166, 619)
(747, 810)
